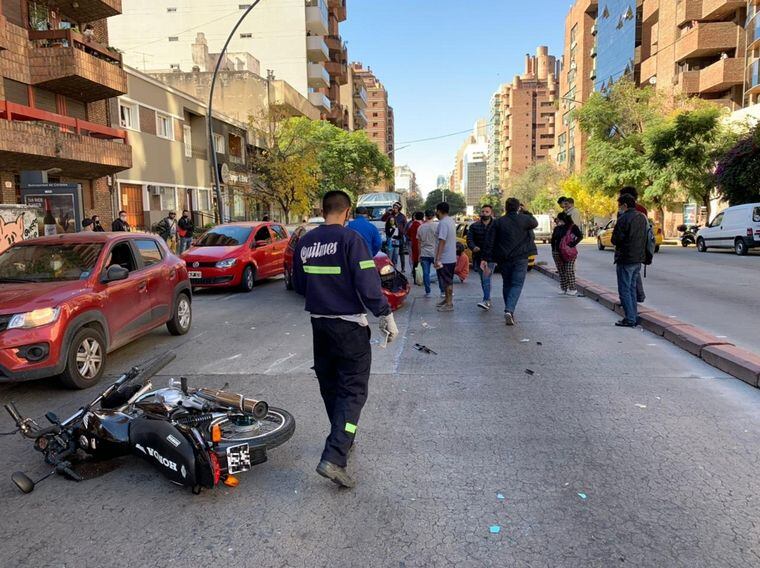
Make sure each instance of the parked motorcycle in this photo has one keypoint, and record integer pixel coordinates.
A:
(688, 234)
(197, 437)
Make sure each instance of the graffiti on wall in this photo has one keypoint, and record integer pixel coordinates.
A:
(17, 224)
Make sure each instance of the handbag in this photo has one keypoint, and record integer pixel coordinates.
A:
(566, 252)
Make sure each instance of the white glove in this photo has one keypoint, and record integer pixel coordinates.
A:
(388, 326)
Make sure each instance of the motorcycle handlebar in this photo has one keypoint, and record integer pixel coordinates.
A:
(147, 370)
(13, 411)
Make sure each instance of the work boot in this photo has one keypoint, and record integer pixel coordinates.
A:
(335, 473)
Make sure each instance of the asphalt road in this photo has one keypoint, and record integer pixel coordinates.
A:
(619, 449)
(717, 290)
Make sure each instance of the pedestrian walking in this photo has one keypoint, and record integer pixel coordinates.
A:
(396, 213)
(167, 229)
(185, 228)
(96, 226)
(428, 242)
(476, 239)
(367, 230)
(445, 256)
(334, 270)
(565, 239)
(633, 192)
(391, 240)
(630, 240)
(120, 224)
(414, 244)
(509, 243)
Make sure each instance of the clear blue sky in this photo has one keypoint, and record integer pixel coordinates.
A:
(441, 60)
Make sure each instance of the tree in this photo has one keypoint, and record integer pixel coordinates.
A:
(286, 171)
(455, 200)
(495, 200)
(537, 187)
(687, 147)
(738, 171)
(414, 202)
(590, 203)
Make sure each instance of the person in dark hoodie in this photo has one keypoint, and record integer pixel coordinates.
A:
(335, 271)
(630, 239)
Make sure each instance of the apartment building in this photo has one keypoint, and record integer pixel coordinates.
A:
(54, 86)
(696, 48)
(577, 77)
(298, 41)
(380, 120)
(474, 170)
(527, 109)
(752, 76)
(494, 147)
(405, 180)
(172, 168)
(353, 95)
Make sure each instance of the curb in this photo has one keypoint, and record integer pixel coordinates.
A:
(715, 351)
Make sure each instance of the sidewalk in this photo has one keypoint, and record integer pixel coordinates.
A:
(619, 448)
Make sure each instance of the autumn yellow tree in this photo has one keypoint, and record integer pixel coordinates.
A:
(590, 203)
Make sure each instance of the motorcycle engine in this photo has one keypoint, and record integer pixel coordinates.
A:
(164, 401)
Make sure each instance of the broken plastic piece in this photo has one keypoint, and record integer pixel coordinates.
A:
(424, 349)
(583, 496)
(530, 372)
(539, 343)
(525, 340)
(500, 497)
(495, 529)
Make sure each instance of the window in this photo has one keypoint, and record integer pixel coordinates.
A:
(262, 235)
(129, 117)
(279, 232)
(718, 220)
(756, 215)
(171, 10)
(236, 148)
(168, 197)
(204, 200)
(149, 251)
(173, 38)
(219, 143)
(121, 255)
(164, 127)
(187, 134)
(243, 6)
(246, 36)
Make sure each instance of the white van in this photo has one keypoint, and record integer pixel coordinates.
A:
(737, 227)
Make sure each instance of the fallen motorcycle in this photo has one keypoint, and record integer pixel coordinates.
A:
(197, 437)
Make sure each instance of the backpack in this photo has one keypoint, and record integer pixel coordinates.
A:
(566, 252)
(651, 245)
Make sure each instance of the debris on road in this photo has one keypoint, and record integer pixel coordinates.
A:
(500, 497)
(641, 405)
(495, 529)
(526, 340)
(530, 372)
(539, 343)
(424, 349)
(583, 496)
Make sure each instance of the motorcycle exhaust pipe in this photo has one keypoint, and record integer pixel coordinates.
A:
(258, 408)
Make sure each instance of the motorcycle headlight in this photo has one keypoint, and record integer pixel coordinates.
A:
(227, 263)
(34, 318)
(386, 270)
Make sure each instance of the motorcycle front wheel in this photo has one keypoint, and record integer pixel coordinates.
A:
(273, 430)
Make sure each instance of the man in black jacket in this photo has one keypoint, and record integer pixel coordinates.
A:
(630, 240)
(476, 242)
(509, 243)
(121, 223)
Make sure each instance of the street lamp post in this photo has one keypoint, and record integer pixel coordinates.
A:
(209, 117)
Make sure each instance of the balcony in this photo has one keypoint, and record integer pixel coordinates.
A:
(648, 69)
(360, 119)
(707, 39)
(688, 11)
(316, 49)
(650, 10)
(722, 75)
(33, 139)
(687, 83)
(338, 7)
(338, 64)
(753, 77)
(4, 39)
(62, 61)
(695, 10)
(320, 101)
(318, 76)
(753, 32)
(360, 97)
(316, 17)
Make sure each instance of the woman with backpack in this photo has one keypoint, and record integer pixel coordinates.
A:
(565, 238)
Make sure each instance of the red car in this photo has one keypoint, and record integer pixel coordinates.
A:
(395, 285)
(236, 255)
(68, 300)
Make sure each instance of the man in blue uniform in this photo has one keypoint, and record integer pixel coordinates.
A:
(334, 270)
(367, 230)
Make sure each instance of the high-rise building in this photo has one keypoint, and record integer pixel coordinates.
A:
(380, 124)
(752, 82)
(576, 82)
(354, 96)
(617, 40)
(478, 136)
(696, 48)
(494, 148)
(299, 41)
(54, 88)
(406, 180)
(442, 182)
(474, 169)
(526, 116)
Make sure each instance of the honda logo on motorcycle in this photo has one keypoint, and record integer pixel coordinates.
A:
(161, 459)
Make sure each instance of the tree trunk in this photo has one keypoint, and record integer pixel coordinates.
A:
(706, 204)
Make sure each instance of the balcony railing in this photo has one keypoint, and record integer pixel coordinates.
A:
(317, 50)
(317, 75)
(360, 97)
(721, 75)
(16, 112)
(338, 7)
(320, 100)
(707, 38)
(4, 39)
(316, 17)
(753, 77)
(753, 32)
(65, 62)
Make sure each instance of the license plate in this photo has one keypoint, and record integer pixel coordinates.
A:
(195, 274)
(238, 458)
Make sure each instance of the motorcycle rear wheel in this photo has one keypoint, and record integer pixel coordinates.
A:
(273, 430)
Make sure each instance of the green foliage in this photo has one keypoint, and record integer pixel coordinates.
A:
(537, 187)
(738, 172)
(414, 202)
(455, 200)
(495, 200)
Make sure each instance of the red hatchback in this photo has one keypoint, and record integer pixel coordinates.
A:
(68, 300)
(236, 255)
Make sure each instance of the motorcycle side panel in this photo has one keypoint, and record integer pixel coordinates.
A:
(166, 447)
(106, 433)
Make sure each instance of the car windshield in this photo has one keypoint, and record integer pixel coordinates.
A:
(225, 237)
(48, 263)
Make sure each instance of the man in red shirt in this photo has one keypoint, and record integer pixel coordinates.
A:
(411, 233)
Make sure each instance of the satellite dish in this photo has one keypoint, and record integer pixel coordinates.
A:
(653, 80)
